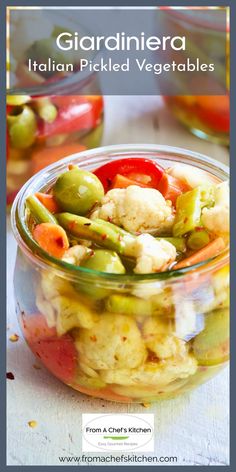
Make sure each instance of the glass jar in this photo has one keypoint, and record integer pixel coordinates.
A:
(49, 116)
(207, 116)
(126, 338)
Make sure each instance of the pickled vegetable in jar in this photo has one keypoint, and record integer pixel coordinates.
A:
(122, 272)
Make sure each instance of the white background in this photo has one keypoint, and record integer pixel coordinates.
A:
(193, 427)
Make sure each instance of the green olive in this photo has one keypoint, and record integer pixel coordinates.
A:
(104, 261)
(77, 191)
(22, 128)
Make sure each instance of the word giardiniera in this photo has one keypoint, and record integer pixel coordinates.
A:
(119, 42)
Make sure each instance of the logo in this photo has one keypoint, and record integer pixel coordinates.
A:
(118, 432)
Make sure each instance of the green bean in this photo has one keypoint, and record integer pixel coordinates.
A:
(198, 239)
(128, 305)
(39, 211)
(103, 234)
(117, 229)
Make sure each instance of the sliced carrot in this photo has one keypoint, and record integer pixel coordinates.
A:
(46, 156)
(171, 188)
(52, 238)
(210, 250)
(120, 181)
(48, 201)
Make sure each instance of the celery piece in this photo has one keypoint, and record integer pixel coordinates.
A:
(207, 195)
(189, 206)
(211, 345)
(188, 212)
(198, 239)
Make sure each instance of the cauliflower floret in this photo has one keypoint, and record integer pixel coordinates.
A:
(158, 338)
(136, 209)
(187, 321)
(158, 374)
(71, 313)
(152, 255)
(52, 285)
(114, 342)
(76, 254)
(189, 175)
(59, 302)
(216, 218)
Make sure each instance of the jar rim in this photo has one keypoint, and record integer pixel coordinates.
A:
(47, 176)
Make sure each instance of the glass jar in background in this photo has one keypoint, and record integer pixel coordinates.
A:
(207, 116)
(42, 130)
(98, 332)
(50, 115)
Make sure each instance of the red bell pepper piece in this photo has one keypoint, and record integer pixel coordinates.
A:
(75, 113)
(58, 354)
(145, 171)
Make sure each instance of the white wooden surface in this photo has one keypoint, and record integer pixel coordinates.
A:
(193, 427)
